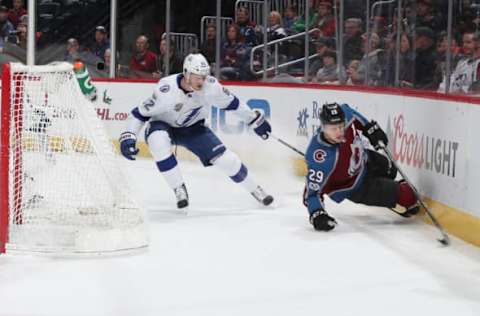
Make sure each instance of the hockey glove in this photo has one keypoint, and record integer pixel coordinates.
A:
(260, 125)
(128, 144)
(322, 221)
(375, 134)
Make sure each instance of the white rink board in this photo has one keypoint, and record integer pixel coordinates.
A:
(445, 168)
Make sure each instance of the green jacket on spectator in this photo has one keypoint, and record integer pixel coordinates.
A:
(299, 25)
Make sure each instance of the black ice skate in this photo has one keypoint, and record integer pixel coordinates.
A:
(182, 196)
(262, 197)
(409, 212)
(413, 210)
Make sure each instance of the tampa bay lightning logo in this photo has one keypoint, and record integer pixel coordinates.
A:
(188, 116)
(165, 88)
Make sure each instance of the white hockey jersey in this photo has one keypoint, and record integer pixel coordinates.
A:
(177, 107)
(464, 75)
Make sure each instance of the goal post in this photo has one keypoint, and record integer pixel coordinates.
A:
(4, 143)
(61, 189)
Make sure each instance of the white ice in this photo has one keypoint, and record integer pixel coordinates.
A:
(229, 256)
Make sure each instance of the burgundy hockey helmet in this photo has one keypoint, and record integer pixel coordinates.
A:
(332, 113)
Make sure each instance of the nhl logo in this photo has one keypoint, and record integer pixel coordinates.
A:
(178, 107)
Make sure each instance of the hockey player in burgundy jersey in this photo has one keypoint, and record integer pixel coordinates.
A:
(340, 165)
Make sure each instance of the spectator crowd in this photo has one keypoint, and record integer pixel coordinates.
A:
(364, 58)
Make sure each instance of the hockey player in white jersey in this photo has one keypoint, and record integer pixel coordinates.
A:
(176, 113)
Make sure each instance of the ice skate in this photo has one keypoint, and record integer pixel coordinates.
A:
(262, 197)
(182, 196)
(406, 212)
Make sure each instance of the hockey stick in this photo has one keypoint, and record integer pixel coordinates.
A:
(444, 240)
(281, 141)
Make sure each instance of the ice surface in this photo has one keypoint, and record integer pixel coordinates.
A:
(230, 256)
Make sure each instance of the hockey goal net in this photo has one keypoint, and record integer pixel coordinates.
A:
(60, 187)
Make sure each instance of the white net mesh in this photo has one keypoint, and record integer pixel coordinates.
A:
(66, 193)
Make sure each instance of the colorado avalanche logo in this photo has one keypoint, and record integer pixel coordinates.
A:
(357, 158)
(319, 155)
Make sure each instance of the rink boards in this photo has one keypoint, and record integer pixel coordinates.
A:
(432, 136)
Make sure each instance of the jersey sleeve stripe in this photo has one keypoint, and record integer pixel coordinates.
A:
(136, 113)
(233, 105)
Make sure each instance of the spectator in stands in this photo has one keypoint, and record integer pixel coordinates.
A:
(175, 62)
(6, 28)
(425, 58)
(208, 46)
(16, 12)
(442, 47)
(325, 20)
(16, 42)
(15, 46)
(107, 58)
(407, 61)
(22, 33)
(379, 25)
(72, 53)
(247, 27)
(101, 42)
(427, 17)
(322, 45)
(352, 40)
(299, 25)
(329, 73)
(352, 73)
(275, 30)
(375, 59)
(234, 56)
(103, 68)
(466, 76)
(289, 19)
(144, 62)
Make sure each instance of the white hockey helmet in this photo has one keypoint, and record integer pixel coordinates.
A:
(195, 64)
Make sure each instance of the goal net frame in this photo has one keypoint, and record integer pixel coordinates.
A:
(13, 158)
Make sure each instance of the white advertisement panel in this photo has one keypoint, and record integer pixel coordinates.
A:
(432, 139)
